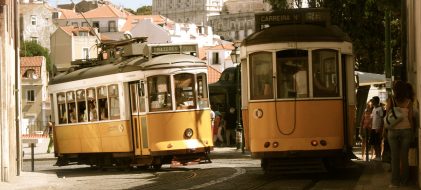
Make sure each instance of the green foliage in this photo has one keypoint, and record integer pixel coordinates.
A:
(130, 10)
(145, 10)
(31, 48)
(363, 21)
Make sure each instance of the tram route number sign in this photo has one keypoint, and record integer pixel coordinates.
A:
(293, 16)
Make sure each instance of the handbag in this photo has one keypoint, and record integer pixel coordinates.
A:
(394, 116)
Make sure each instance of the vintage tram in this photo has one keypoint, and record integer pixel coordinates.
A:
(137, 105)
(298, 97)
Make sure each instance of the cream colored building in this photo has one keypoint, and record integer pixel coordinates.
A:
(188, 11)
(35, 100)
(414, 63)
(10, 157)
(237, 19)
(70, 43)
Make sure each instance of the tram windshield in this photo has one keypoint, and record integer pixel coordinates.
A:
(261, 83)
(296, 76)
(292, 72)
(159, 89)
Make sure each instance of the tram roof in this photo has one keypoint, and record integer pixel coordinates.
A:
(128, 65)
(297, 33)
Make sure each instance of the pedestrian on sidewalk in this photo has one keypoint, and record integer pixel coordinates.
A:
(49, 130)
(376, 127)
(366, 128)
(400, 135)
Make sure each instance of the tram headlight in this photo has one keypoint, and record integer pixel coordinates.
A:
(188, 133)
(232, 110)
(258, 113)
(314, 143)
(323, 142)
(275, 144)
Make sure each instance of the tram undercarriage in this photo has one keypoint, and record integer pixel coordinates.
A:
(128, 160)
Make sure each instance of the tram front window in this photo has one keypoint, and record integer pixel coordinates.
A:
(159, 89)
(261, 71)
(292, 74)
(202, 92)
(325, 73)
(184, 91)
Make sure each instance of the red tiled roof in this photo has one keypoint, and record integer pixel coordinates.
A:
(104, 11)
(31, 63)
(72, 30)
(213, 75)
(35, 61)
(132, 20)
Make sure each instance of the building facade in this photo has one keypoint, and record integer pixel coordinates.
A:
(237, 19)
(36, 22)
(188, 11)
(70, 43)
(413, 8)
(35, 100)
(10, 157)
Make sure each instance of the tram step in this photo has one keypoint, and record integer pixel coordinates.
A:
(291, 166)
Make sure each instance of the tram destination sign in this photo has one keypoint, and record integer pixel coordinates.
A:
(173, 49)
(293, 16)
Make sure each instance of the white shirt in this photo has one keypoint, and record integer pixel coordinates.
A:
(377, 116)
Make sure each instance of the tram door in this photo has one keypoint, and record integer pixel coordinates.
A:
(138, 117)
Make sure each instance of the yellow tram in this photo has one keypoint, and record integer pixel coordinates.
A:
(298, 97)
(137, 105)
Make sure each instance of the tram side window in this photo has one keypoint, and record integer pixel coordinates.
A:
(61, 108)
(71, 107)
(93, 114)
(325, 73)
(202, 91)
(114, 102)
(159, 93)
(184, 91)
(142, 102)
(292, 74)
(261, 71)
(102, 102)
(81, 106)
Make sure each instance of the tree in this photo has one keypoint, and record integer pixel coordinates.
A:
(145, 10)
(130, 10)
(32, 48)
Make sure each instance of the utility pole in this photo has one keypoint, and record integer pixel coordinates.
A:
(388, 53)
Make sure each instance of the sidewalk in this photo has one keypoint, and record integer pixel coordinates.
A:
(375, 174)
(40, 151)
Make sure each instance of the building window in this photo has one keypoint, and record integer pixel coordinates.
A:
(215, 58)
(95, 24)
(112, 26)
(34, 39)
(74, 24)
(30, 95)
(30, 74)
(85, 24)
(33, 20)
(55, 15)
(85, 53)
